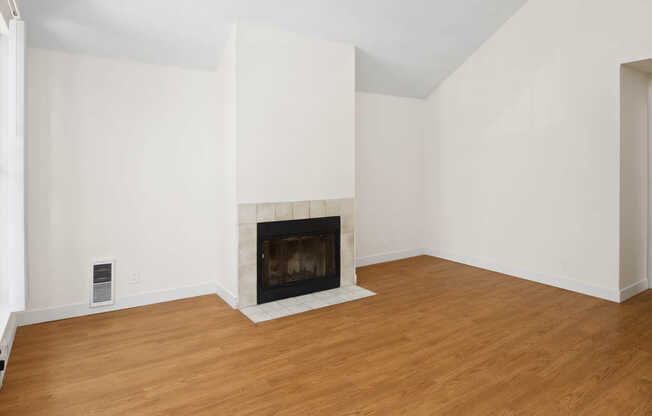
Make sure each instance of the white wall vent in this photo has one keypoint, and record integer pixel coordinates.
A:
(102, 283)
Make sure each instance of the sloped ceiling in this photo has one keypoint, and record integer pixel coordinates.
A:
(405, 47)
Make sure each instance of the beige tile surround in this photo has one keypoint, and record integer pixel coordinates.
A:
(251, 214)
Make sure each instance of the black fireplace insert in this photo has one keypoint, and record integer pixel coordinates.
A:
(298, 257)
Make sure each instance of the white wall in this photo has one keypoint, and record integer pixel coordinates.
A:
(226, 121)
(4, 197)
(522, 171)
(146, 164)
(633, 177)
(123, 162)
(296, 117)
(5, 18)
(389, 176)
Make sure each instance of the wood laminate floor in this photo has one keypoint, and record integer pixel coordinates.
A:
(438, 338)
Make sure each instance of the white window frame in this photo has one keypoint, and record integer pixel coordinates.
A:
(12, 167)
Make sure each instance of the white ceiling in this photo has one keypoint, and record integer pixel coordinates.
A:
(405, 47)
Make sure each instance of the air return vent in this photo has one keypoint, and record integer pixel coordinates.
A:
(102, 284)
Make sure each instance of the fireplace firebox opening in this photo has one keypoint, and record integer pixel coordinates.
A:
(297, 257)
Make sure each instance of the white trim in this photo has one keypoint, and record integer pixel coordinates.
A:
(560, 282)
(7, 342)
(649, 184)
(15, 182)
(81, 309)
(633, 290)
(227, 296)
(385, 257)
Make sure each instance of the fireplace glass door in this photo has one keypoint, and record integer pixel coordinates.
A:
(297, 257)
(291, 259)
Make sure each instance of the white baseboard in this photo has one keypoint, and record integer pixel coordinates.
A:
(227, 296)
(560, 282)
(36, 316)
(385, 257)
(633, 290)
(7, 342)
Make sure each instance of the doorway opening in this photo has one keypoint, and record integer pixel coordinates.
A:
(635, 178)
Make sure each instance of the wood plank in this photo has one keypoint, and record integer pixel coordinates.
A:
(438, 338)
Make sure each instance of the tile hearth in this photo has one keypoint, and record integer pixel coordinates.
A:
(292, 306)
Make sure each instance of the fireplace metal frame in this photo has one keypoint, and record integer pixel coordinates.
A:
(284, 229)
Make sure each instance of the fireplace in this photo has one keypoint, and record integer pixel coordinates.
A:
(297, 257)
